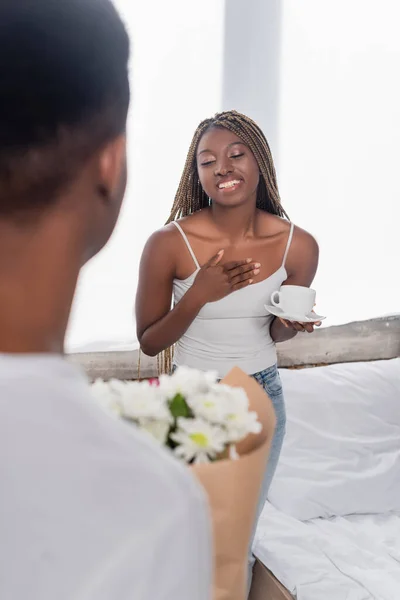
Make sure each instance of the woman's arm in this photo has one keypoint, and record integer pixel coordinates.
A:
(302, 264)
(159, 327)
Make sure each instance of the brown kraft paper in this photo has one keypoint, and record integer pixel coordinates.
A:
(233, 488)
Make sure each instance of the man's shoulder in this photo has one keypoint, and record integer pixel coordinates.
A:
(158, 465)
(49, 404)
(106, 494)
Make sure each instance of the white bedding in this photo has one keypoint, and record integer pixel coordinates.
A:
(341, 454)
(342, 558)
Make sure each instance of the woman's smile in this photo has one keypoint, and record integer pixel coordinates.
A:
(229, 186)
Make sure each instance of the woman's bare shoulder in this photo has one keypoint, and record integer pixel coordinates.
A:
(166, 242)
(276, 225)
(273, 225)
(304, 242)
(163, 238)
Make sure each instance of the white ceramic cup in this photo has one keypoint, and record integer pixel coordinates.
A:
(294, 300)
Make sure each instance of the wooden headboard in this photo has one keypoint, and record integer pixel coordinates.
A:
(377, 339)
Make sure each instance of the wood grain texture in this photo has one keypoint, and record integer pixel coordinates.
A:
(115, 365)
(265, 586)
(377, 339)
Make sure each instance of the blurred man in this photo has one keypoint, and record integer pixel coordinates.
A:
(89, 509)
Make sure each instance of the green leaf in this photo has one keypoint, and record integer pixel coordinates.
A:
(179, 407)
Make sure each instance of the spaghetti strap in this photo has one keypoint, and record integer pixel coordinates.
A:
(288, 244)
(189, 247)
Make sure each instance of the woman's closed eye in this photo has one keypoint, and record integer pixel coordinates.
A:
(211, 161)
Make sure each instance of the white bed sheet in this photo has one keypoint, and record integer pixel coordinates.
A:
(342, 558)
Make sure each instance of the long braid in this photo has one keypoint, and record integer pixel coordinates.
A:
(191, 197)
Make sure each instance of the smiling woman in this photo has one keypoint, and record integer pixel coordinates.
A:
(227, 246)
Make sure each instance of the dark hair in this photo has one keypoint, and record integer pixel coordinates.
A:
(64, 92)
(191, 197)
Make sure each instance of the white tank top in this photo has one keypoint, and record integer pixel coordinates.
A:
(233, 331)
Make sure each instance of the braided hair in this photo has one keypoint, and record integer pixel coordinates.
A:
(191, 197)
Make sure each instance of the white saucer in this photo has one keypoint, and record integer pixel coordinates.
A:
(311, 317)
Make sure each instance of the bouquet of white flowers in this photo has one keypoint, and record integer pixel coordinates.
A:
(223, 432)
(199, 419)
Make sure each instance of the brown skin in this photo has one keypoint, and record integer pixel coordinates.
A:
(42, 258)
(250, 242)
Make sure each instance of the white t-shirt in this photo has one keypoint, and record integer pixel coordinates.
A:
(90, 509)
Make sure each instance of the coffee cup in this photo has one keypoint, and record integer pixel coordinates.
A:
(294, 300)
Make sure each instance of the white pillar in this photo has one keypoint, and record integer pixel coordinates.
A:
(251, 76)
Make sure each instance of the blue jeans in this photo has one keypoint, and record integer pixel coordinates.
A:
(271, 382)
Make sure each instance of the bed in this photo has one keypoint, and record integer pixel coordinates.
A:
(331, 530)
(336, 557)
(343, 558)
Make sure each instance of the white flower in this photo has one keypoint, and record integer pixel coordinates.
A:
(140, 400)
(158, 430)
(240, 424)
(237, 397)
(221, 415)
(186, 382)
(228, 407)
(211, 406)
(238, 420)
(198, 440)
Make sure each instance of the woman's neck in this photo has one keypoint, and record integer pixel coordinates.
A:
(235, 223)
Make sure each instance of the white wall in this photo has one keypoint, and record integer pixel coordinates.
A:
(176, 82)
(339, 139)
(323, 82)
(322, 79)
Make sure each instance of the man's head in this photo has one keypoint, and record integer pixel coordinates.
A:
(64, 97)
